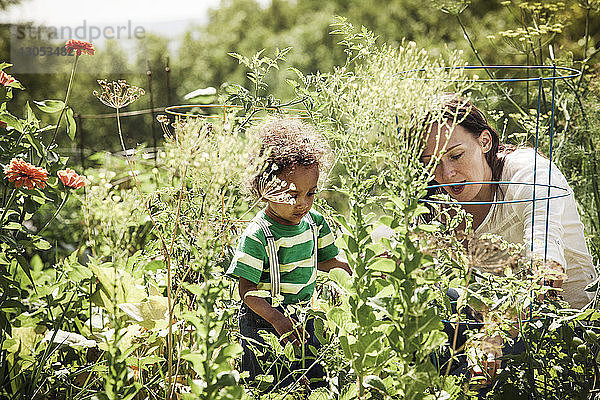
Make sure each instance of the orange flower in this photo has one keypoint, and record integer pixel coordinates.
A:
(71, 179)
(5, 79)
(80, 46)
(24, 174)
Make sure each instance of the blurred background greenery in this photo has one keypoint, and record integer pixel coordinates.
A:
(200, 58)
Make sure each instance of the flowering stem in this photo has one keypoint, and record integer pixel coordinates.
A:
(165, 251)
(468, 38)
(62, 204)
(62, 112)
(169, 294)
(121, 135)
(453, 349)
(8, 204)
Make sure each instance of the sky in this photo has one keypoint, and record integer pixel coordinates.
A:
(97, 22)
(68, 12)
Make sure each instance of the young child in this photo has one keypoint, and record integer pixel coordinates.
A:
(282, 248)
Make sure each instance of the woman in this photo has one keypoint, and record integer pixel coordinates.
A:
(472, 152)
(469, 150)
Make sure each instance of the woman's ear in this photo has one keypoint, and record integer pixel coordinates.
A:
(485, 140)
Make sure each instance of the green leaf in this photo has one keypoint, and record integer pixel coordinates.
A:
(320, 394)
(127, 289)
(79, 273)
(375, 382)
(31, 118)
(142, 362)
(71, 125)
(36, 263)
(349, 392)
(369, 343)
(383, 265)
(37, 145)
(339, 317)
(13, 226)
(421, 209)
(41, 244)
(366, 316)
(154, 265)
(12, 121)
(351, 243)
(25, 266)
(13, 304)
(231, 350)
(428, 227)
(342, 278)
(289, 351)
(50, 106)
(150, 313)
(434, 340)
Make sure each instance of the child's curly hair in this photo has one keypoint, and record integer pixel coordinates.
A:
(284, 143)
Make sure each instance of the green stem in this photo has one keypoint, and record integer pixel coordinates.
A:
(90, 304)
(464, 29)
(171, 302)
(585, 48)
(8, 204)
(62, 112)
(62, 204)
(121, 138)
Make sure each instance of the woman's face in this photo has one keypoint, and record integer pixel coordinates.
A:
(462, 159)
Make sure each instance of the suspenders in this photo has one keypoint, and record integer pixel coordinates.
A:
(272, 253)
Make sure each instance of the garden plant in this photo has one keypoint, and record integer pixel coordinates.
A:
(139, 307)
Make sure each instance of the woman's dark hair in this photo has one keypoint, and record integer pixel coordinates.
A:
(455, 108)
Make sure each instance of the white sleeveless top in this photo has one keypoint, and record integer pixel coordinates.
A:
(566, 241)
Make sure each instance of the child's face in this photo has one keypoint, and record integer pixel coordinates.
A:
(304, 180)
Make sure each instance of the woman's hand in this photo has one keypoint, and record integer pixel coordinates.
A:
(484, 357)
(554, 274)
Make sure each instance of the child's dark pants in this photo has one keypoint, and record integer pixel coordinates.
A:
(283, 372)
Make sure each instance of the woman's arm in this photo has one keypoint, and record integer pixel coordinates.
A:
(280, 322)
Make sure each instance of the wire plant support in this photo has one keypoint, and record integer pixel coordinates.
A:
(237, 113)
(500, 76)
(557, 73)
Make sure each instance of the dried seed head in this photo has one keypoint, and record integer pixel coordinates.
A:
(271, 188)
(490, 253)
(117, 94)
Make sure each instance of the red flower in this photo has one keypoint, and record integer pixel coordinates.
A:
(71, 179)
(80, 46)
(23, 173)
(5, 79)
(3, 124)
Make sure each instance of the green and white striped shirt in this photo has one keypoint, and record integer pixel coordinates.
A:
(295, 247)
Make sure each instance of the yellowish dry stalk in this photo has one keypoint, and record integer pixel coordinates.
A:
(117, 95)
(169, 295)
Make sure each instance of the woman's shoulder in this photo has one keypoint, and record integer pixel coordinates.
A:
(521, 156)
(522, 159)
